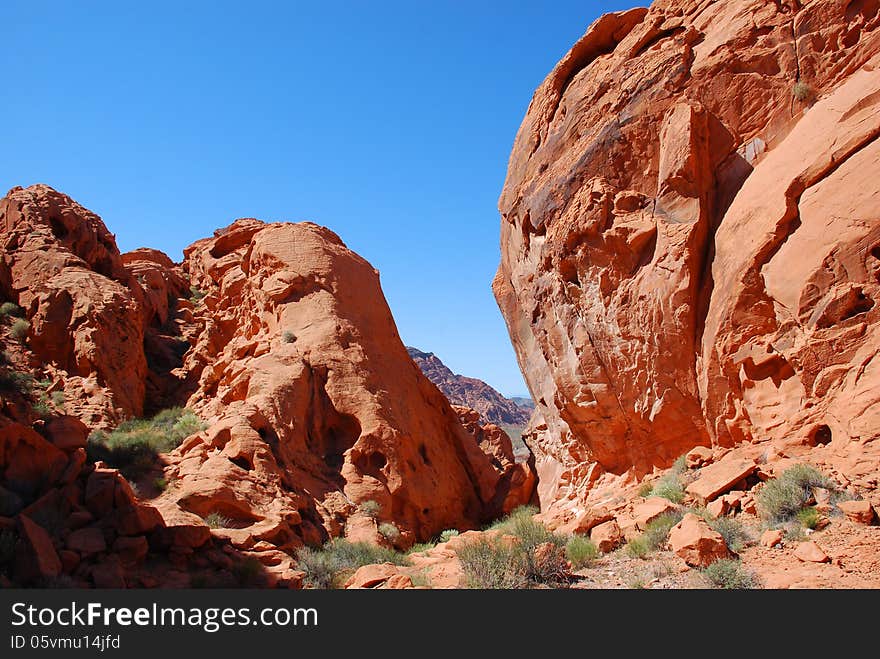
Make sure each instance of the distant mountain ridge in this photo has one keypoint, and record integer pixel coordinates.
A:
(470, 392)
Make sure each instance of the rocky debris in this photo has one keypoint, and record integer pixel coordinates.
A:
(719, 478)
(772, 537)
(810, 552)
(696, 543)
(516, 479)
(607, 536)
(650, 509)
(860, 512)
(35, 555)
(698, 456)
(470, 392)
(384, 575)
(689, 251)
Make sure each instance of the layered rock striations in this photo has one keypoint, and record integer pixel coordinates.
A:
(470, 392)
(690, 238)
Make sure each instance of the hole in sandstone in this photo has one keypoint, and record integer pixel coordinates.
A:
(821, 435)
(58, 228)
(242, 462)
(424, 453)
(862, 303)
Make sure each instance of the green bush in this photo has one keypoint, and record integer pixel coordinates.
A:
(516, 563)
(782, 498)
(16, 381)
(288, 337)
(160, 484)
(645, 489)
(11, 309)
(390, 532)
(734, 533)
(669, 487)
(680, 465)
(135, 444)
(809, 517)
(370, 508)
(448, 534)
(729, 574)
(637, 547)
(20, 329)
(41, 409)
(654, 535)
(802, 91)
(581, 551)
(196, 295)
(332, 564)
(58, 399)
(490, 564)
(217, 521)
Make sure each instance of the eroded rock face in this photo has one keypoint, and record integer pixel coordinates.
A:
(690, 240)
(86, 318)
(315, 406)
(280, 338)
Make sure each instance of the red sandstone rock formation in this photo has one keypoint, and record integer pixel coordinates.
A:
(690, 240)
(280, 338)
(315, 406)
(470, 392)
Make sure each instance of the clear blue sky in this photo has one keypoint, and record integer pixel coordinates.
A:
(389, 122)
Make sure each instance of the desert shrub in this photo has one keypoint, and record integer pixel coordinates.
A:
(732, 530)
(288, 337)
(669, 487)
(196, 295)
(41, 409)
(729, 574)
(420, 579)
(581, 551)
(370, 508)
(217, 521)
(11, 309)
(808, 517)
(419, 547)
(16, 381)
(490, 564)
(654, 535)
(390, 532)
(645, 489)
(680, 465)
(782, 498)
(58, 399)
(448, 534)
(20, 329)
(534, 557)
(801, 91)
(332, 564)
(637, 547)
(505, 524)
(160, 484)
(657, 531)
(249, 573)
(134, 445)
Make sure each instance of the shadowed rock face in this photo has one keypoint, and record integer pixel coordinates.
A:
(470, 392)
(279, 337)
(690, 238)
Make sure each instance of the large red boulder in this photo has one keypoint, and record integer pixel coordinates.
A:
(690, 251)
